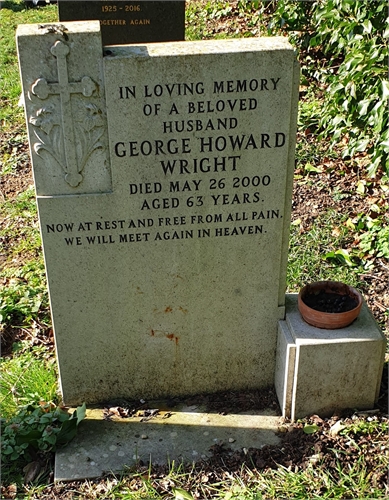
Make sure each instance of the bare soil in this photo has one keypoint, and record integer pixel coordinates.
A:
(15, 146)
(298, 450)
(310, 199)
(330, 302)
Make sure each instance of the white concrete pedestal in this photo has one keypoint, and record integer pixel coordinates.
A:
(322, 371)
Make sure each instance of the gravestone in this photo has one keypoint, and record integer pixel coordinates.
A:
(124, 22)
(163, 175)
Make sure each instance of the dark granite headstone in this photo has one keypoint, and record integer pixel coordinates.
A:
(125, 22)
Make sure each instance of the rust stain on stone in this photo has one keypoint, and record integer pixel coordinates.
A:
(171, 336)
(159, 334)
(185, 311)
(168, 309)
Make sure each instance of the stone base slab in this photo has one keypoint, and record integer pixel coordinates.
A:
(183, 434)
(321, 371)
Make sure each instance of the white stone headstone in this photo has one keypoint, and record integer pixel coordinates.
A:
(163, 175)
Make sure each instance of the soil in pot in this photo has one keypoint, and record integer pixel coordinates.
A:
(330, 302)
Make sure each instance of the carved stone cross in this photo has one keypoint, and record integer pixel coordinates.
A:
(42, 89)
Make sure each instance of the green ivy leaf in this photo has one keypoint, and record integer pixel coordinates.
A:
(310, 429)
(80, 413)
(385, 89)
(51, 438)
(308, 167)
(31, 437)
(385, 145)
(180, 494)
(367, 26)
(61, 415)
(361, 187)
(362, 144)
(341, 256)
(48, 417)
(363, 106)
(67, 432)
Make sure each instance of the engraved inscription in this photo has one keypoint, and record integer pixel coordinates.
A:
(127, 8)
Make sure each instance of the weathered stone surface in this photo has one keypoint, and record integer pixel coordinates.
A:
(64, 100)
(323, 371)
(285, 365)
(187, 435)
(170, 280)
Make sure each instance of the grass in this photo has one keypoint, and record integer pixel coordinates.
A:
(29, 375)
(203, 18)
(20, 230)
(246, 484)
(11, 154)
(317, 483)
(12, 14)
(24, 297)
(307, 251)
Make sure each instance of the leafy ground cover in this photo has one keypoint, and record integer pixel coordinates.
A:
(339, 231)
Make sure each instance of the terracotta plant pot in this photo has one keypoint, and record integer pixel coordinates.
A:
(329, 304)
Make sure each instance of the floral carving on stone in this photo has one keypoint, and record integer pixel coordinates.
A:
(48, 132)
(90, 128)
(71, 134)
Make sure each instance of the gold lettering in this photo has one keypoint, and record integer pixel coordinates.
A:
(140, 22)
(132, 8)
(109, 8)
(113, 22)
